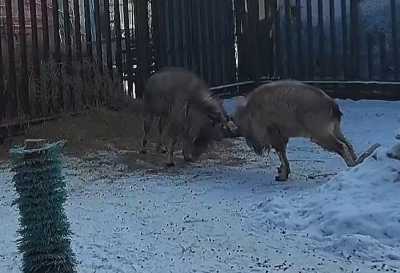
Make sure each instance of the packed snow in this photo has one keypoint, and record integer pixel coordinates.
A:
(211, 218)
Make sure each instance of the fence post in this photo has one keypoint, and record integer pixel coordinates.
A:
(11, 89)
(35, 41)
(88, 30)
(142, 43)
(107, 34)
(310, 38)
(57, 51)
(2, 89)
(355, 51)
(288, 40)
(241, 39)
(77, 21)
(155, 25)
(45, 30)
(56, 34)
(344, 39)
(299, 27)
(321, 46)
(332, 18)
(252, 41)
(370, 52)
(382, 50)
(97, 22)
(395, 48)
(23, 87)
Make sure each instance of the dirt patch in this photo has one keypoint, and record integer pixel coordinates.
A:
(91, 134)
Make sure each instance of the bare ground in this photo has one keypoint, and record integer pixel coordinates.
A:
(103, 130)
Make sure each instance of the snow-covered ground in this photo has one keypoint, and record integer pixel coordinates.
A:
(212, 218)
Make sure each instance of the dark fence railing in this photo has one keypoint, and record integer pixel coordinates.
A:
(318, 39)
(60, 45)
(51, 50)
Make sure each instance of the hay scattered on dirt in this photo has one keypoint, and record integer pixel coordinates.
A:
(119, 132)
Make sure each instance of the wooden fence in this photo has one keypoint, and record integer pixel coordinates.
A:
(50, 64)
(68, 55)
(315, 40)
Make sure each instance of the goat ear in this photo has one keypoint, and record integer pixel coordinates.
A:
(241, 101)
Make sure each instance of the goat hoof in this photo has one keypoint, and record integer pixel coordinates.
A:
(170, 164)
(280, 179)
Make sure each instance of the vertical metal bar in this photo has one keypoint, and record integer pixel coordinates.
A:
(252, 51)
(268, 39)
(382, 50)
(221, 39)
(45, 30)
(57, 49)
(35, 43)
(370, 45)
(11, 107)
(184, 25)
(118, 37)
(68, 47)
(201, 44)
(97, 21)
(299, 40)
(78, 42)
(128, 45)
(213, 42)
(345, 58)
(176, 31)
(272, 36)
(321, 31)
(278, 44)
(2, 89)
(355, 52)
(108, 34)
(24, 92)
(142, 46)
(333, 38)
(395, 47)
(88, 30)
(239, 18)
(288, 42)
(170, 32)
(162, 46)
(310, 38)
(206, 35)
(67, 32)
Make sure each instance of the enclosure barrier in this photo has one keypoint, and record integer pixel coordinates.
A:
(44, 229)
(225, 42)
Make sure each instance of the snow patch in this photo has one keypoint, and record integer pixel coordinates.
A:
(357, 210)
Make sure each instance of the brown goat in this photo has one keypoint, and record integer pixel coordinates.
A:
(275, 112)
(185, 111)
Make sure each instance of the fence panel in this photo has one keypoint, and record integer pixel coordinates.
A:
(331, 39)
(50, 47)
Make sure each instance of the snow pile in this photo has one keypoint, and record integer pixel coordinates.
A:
(356, 213)
(395, 152)
(398, 134)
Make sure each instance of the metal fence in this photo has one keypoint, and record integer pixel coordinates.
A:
(227, 42)
(318, 39)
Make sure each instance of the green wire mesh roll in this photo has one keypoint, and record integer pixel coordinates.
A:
(44, 228)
